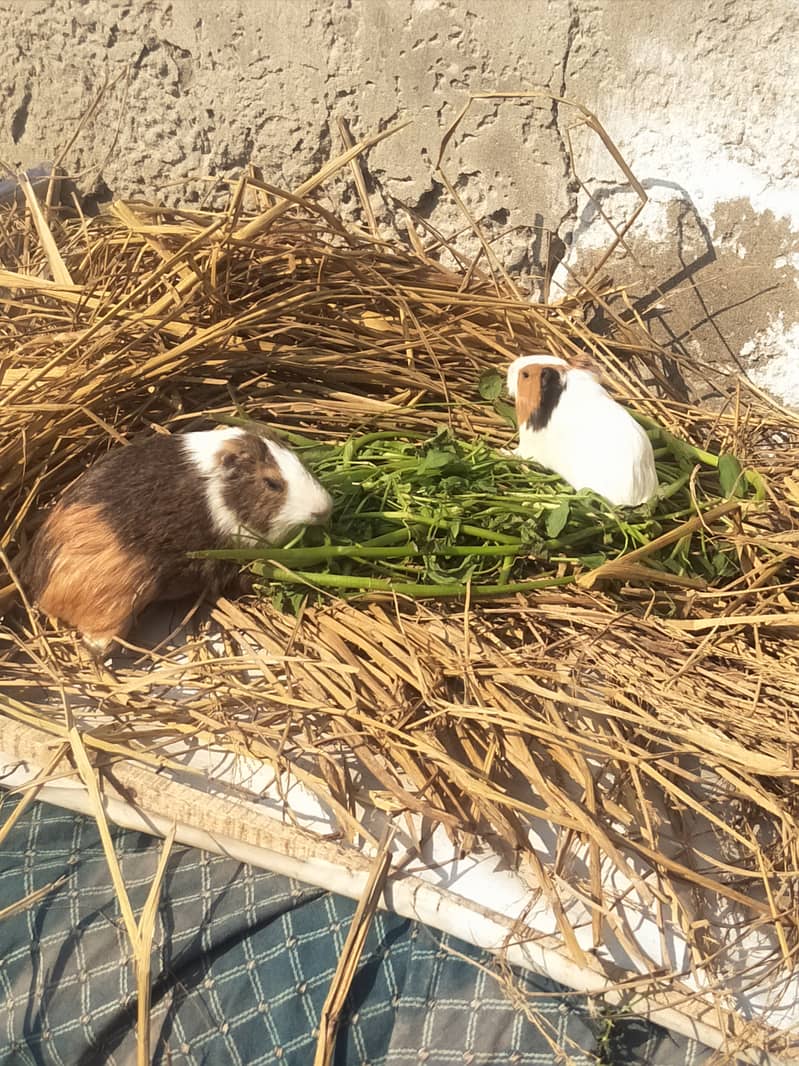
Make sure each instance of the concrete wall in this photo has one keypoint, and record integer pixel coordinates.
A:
(700, 98)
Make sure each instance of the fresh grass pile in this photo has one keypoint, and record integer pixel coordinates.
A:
(439, 517)
(642, 700)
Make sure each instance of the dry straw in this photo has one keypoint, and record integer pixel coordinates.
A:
(336, 1000)
(618, 709)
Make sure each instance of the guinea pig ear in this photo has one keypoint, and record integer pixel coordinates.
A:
(583, 361)
(233, 463)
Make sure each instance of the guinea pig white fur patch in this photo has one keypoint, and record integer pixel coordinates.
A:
(304, 496)
(203, 449)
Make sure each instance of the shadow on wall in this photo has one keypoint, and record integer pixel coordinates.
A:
(668, 256)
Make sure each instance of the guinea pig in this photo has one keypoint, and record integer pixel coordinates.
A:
(569, 424)
(118, 538)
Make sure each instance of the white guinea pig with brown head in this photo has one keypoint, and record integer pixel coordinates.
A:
(118, 538)
(569, 424)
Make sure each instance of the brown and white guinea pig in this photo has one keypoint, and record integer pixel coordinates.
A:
(570, 424)
(118, 538)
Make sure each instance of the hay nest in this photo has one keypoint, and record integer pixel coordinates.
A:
(613, 706)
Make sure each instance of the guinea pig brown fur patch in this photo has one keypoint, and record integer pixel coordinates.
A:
(75, 541)
(537, 393)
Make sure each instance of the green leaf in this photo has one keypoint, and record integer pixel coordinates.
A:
(506, 411)
(436, 459)
(490, 384)
(722, 564)
(757, 483)
(557, 519)
(730, 476)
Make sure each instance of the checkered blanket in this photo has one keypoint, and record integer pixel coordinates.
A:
(242, 962)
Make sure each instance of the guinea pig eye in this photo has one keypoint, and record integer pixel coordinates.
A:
(273, 483)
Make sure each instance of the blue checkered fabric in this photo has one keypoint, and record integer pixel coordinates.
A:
(242, 962)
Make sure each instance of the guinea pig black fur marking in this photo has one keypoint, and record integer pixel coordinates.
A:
(539, 389)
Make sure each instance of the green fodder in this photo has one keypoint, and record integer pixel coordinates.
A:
(441, 517)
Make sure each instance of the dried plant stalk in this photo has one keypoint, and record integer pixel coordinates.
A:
(347, 967)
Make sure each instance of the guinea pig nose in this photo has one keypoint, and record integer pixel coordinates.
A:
(323, 511)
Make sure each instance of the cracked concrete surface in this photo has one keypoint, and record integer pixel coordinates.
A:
(699, 98)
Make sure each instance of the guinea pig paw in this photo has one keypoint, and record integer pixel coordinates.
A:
(244, 585)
